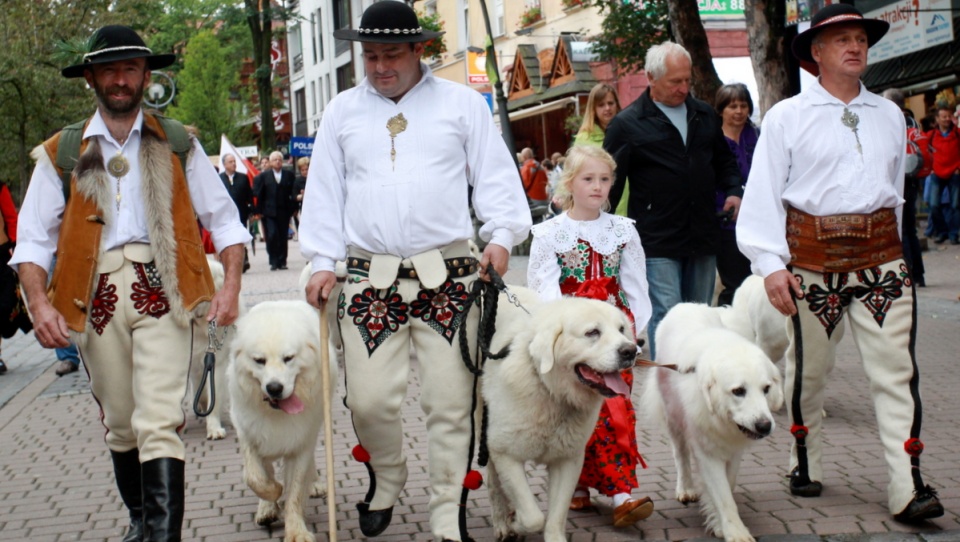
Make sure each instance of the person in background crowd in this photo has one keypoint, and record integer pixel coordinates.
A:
(831, 159)
(128, 284)
(299, 185)
(387, 192)
(735, 108)
(238, 186)
(945, 147)
(670, 148)
(273, 190)
(533, 176)
(8, 241)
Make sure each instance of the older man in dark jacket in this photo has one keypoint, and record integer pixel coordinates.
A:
(671, 148)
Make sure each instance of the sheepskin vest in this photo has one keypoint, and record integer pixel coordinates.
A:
(171, 225)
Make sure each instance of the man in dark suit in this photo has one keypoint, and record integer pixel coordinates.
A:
(239, 188)
(273, 190)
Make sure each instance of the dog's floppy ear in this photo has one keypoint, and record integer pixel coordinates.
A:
(712, 394)
(542, 345)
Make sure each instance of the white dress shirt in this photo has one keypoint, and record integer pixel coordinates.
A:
(808, 159)
(43, 206)
(606, 235)
(357, 196)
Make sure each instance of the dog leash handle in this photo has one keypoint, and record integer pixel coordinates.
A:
(209, 364)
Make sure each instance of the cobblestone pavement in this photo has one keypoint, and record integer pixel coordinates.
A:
(56, 479)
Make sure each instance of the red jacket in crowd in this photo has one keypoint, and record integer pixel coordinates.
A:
(946, 152)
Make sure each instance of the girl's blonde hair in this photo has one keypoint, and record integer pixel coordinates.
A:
(575, 159)
(597, 93)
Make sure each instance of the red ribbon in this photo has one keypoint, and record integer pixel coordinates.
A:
(599, 288)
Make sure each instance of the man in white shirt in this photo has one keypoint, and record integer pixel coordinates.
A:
(387, 191)
(130, 272)
(819, 222)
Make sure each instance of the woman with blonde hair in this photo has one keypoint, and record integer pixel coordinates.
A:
(602, 105)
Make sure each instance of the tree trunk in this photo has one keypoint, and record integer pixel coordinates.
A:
(765, 37)
(689, 32)
(261, 30)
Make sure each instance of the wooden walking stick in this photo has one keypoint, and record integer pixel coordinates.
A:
(328, 419)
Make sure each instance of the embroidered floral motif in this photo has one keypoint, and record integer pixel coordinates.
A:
(905, 275)
(574, 263)
(877, 293)
(147, 293)
(341, 306)
(104, 304)
(377, 316)
(827, 303)
(442, 308)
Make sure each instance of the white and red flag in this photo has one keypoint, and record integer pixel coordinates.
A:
(244, 165)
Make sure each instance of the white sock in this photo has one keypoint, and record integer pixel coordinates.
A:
(621, 498)
(581, 492)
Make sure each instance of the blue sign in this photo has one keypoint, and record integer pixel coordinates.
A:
(488, 96)
(301, 146)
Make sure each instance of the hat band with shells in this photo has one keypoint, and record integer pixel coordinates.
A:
(398, 31)
(88, 56)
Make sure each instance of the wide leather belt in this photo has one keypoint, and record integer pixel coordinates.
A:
(842, 243)
(456, 267)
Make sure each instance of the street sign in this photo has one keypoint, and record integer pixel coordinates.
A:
(301, 146)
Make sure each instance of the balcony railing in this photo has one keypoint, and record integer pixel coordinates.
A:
(298, 63)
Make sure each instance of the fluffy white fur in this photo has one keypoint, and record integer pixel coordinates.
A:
(716, 404)
(540, 407)
(275, 361)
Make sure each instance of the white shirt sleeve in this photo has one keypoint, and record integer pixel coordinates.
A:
(38, 227)
(633, 280)
(212, 203)
(322, 239)
(761, 224)
(543, 270)
(498, 197)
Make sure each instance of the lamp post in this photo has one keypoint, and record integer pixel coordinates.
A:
(505, 129)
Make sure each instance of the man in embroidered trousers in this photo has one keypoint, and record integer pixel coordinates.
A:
(387, 191)
(819, 222)
(116, 198)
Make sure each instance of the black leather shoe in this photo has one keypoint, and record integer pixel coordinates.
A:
(126, 469)
(273, 268)
(924, 506)
(373, 522)
(940, 239)
(3, 367)
(163, 488)
(804, 488)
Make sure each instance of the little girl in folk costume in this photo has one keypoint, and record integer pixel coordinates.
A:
(588, 252)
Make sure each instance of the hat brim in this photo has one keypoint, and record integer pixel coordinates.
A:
(154, 62)
(875, 29)
(355, 35)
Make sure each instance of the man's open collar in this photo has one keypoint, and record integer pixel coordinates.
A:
(98, 127)
(817, 95)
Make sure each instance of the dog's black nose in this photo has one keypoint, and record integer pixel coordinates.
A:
(628, 355)
(274, 389)
(763, 427)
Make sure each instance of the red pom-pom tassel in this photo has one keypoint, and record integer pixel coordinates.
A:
(360, 454)
(473, 480)
(799, 431)
(913, 446)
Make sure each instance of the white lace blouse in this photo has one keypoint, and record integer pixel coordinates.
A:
(606, 235)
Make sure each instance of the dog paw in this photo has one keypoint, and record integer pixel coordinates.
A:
(687, 497)
(216, 432)
(269, 491)
(738, 537)
(507, 536)
(267, 513)
(530, 524)
(301, 536)
(318, 489)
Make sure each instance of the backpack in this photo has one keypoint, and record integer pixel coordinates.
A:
(68, 150)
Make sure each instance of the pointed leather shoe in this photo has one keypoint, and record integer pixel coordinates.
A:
(373, 522)
(632, 511)
(924, 506)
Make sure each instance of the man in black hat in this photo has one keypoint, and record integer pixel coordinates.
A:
(819, 222)
(110, 197)
(387, 191)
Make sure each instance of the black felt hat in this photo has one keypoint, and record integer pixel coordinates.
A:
(836, 14)
(388, 22)
(113, 43)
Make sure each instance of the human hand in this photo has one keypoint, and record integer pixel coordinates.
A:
(782, 289)
(49, 326)
(319, 287)
(496, 255)
(732, 202)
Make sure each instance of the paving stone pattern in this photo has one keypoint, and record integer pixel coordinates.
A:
(56, 479)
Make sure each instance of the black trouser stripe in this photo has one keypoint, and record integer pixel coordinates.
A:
(803, 475)
(915, 392)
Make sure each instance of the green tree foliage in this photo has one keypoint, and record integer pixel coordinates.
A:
(35, 100)
(206, 80)
(629, 28)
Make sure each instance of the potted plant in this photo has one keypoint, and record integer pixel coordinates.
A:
(532, 14)
(435, 47)
(569, 4)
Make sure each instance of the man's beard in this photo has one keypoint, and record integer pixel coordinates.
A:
(123, 106)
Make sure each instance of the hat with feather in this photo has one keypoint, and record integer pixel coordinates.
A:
(109, 44)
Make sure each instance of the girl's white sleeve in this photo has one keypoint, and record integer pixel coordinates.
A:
(633, 280)
(543, 270)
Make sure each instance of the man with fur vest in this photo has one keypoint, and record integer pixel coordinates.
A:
(116, 199)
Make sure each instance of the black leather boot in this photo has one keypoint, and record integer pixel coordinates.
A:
(162, 499)
(126, 469)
